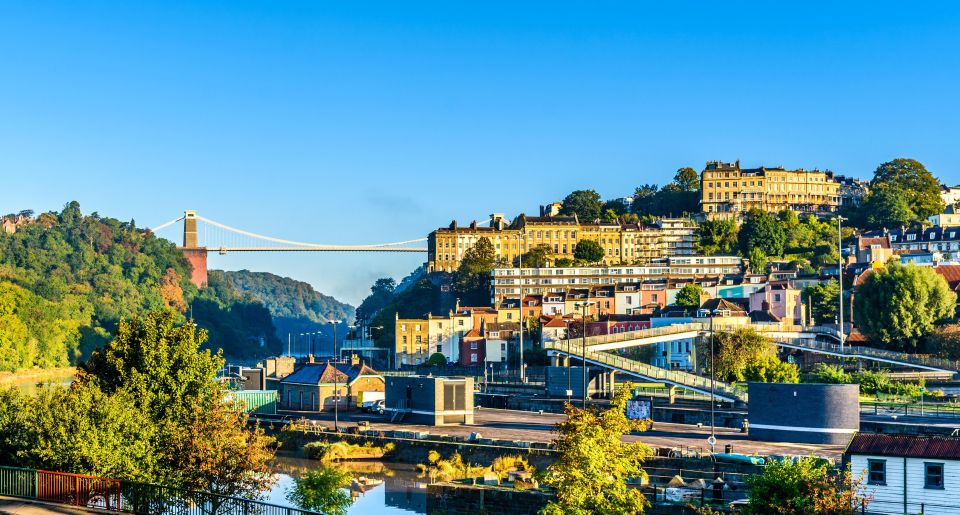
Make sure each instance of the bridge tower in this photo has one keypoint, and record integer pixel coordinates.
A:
(197, 256)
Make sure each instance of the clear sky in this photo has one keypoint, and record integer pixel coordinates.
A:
(364, 122)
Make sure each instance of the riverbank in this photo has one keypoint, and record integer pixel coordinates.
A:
(37, 375)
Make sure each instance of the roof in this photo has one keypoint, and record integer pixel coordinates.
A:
(556, 322)
(867, 242)
(951, 273)
(938, 447)
(758, 316)
(325, 373)
(723, 305)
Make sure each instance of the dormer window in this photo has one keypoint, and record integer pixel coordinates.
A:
(911, 237)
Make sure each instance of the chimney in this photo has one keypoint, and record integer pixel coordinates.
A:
(543, 211)
(354, 360)
(309, 358)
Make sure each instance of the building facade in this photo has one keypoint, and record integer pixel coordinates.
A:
(728, 191)
(621, 243)
(907, 474)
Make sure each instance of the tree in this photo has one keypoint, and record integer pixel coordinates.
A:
(734, 351)
(761, 230)
(588, 251)
(322, 490)
(898, 305)
(586, 204)
(472, 280)
(539, 256)
(717, 237)
(910, 180)
(771, 370)
(202, 442)
(806, 486)
(886, 206)
(687, 179)
(824, 299)
(689, 296)
(437, 359)
(758, 260)
(594, 463)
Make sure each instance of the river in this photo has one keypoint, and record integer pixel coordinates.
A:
(398, 491)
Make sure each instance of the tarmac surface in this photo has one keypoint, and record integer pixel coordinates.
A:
(535, 427)
(25, 507)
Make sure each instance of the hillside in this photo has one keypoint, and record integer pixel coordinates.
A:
(296, 307)
(67, 279)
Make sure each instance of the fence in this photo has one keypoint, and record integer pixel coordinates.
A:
(127, 496)
(938, 410)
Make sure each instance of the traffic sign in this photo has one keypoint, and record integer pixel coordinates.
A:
(712, 440)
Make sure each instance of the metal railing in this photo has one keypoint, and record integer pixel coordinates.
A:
(127, 496)
(853, 351)
(649, 371)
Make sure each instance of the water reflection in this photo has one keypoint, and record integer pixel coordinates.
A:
(387, 488)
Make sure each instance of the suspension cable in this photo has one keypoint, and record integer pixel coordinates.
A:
(164, 226)
(300, 243)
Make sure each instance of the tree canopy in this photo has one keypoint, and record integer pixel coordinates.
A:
(586, 204)
(146, 408)
(689, 295)
(717, 237)
(736, 351)
(687, 179)
(471, 281)
(824, 300)
(909, 180)
(806, 486)
(899, 304)
(588, 251)
(761, 230)
(538, 257)
(594, 463)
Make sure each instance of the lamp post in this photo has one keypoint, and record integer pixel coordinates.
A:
(840, 279)
(713, 436)
(583, 307)
(336, 387)
(520, 282)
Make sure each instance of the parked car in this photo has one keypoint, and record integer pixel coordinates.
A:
(373, 407)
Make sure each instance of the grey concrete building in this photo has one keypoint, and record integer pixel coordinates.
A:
(804, 413)
(429, 400)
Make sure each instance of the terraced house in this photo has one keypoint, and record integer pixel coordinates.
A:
(621, 243)
(728, 191)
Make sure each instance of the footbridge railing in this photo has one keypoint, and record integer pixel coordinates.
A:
(723, 391)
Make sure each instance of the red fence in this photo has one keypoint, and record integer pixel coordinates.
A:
(78, 490)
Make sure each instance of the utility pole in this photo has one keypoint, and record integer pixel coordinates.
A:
(583, 306)
(713, 436)
(288, 344)
(336, 387)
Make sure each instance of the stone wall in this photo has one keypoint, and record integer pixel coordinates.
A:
(460, 499)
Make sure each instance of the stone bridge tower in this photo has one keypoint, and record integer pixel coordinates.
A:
(197, 256)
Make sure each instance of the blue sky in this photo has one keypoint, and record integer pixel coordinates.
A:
(364, 122)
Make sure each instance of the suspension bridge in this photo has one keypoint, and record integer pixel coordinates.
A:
(202, 235)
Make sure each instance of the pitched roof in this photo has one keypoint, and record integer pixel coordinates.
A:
(758, 316)
(556, 322)
(938, 447)
(867, 242)
(951, 273)
(716, 304)
(324, 373)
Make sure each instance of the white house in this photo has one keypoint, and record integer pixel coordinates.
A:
(907, 474)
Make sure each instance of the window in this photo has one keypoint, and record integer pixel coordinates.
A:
(419, 339)
(876, 472)
(473, 345)
(473, 358)
(439, 348)
(933, 477)
(404, 340)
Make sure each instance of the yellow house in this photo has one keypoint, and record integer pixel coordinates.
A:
(728, 190)
(412, 337)
(508, 311)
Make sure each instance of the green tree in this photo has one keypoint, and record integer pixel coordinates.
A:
(689, 295)
(322, 490)
(824, 299)
(594, 463)
(717, 237)
(898, 305)
(202, 442)
(472, 280)
(588, 251)
(806, 486)
(771, 370)
(761, 230)
(687, 179)
(437, 359)
(539, 256)
(758, 260)
(586, 204)
(886, 206)
(909, 179)
(381, 293)
(735, 351)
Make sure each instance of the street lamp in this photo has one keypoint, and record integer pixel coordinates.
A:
(336, 387)
(520, 282)
(583, 307)
(713, 402)
(840, 279)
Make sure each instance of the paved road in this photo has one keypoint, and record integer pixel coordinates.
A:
(21, 507)
(533, 427)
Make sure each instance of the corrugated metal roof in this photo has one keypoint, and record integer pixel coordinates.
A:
(939, 447)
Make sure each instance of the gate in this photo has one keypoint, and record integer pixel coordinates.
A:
(78, 490)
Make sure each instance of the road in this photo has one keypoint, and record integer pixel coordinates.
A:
(534, 427)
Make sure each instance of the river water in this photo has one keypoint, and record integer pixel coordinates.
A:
(398, 491)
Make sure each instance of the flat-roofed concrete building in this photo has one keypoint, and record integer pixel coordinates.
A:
(434, 401)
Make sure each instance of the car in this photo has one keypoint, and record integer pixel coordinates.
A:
(374, 407)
